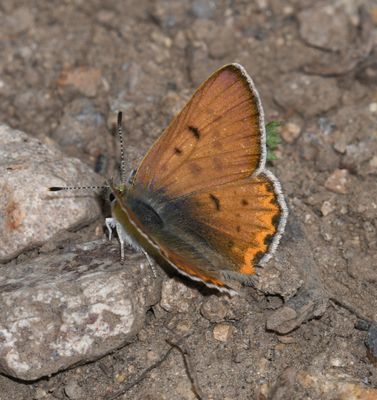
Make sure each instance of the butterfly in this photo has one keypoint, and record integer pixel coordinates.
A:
(201, 199)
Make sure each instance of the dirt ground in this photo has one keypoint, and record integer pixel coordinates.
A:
(315, 65)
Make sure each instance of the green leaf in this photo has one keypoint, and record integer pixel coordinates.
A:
(272, 139)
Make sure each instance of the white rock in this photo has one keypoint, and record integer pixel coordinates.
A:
(61, 310)
(31, 215)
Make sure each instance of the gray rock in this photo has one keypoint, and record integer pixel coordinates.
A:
(82, 131)
(346, 38)
(371, 342)
(67, 309)
(73, 390)
(30, 215)
(214, 309)
(293, 275)
(326, 27)
(307, 95)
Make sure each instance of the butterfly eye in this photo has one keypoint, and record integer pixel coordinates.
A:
(111, 197)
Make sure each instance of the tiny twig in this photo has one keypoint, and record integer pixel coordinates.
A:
(191, 372)
(351, 309)
(141, 377)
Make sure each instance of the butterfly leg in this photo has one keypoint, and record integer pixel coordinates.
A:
(124, 237)
(150, 262)
(110, 225)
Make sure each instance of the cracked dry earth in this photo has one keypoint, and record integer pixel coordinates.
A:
(74, 323)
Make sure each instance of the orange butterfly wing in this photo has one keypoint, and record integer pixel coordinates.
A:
(217, 138)
(220, 212)
(242, 220)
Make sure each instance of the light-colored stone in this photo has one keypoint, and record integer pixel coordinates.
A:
(335, 385)
(30, 214)
(223, 332)
(85, 80)
(340, 145)
(61, 310)
(327, 208)
(40, 394)
(373, 108)
(286, 339)
(337, 181)
(290, 132)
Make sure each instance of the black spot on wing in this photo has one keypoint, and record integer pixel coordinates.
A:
(268, 240)
(244, 202)
(274, 201)
(195, 131)
(271, 189)
(276, 220)
(258, 257)
(215, 200)
(177, 151)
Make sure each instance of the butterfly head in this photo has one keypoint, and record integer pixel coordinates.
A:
(118, 190)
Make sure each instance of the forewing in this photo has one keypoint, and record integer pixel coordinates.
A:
(218, 137)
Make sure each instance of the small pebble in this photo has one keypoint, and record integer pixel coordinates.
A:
(373, 163)
(85, 80)
(39, 394)
(223, 332)
(277, 319)
(286, 339)
(336, 362)
(340, 145)
(262, 367)
(120, 377)
(290, 132)
(214, 309)
(73, 390)
(327, 208)
(373, 108)
(337, 181)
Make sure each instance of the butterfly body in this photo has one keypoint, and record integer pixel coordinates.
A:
(202, 199)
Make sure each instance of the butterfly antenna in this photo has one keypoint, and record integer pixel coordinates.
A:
(122, 158)
(58, 188)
